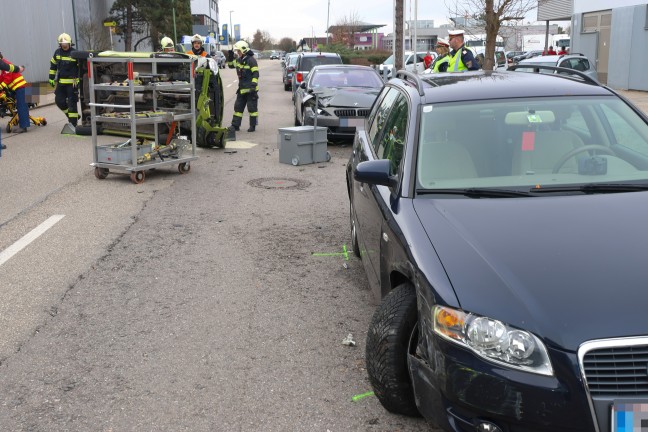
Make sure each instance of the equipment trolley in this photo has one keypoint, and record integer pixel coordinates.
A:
(149, 96)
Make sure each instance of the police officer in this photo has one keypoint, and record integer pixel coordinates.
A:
(441, 61)
(247, 70)
(461, 58)
(64, 75)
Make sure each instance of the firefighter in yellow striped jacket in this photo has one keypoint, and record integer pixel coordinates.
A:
(15, 82)
(64, 75)
(247, 70)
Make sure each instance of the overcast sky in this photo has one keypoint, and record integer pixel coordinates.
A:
(303, 18)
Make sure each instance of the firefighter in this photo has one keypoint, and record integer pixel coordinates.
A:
(247, 70)
(167, 44)
(197, 48)
(64, 75)
(15, 82)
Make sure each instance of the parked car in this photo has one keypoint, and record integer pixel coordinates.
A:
(511, 54)
(385, 68)
(220, 59)
(307, 61)
(344, 93)
(274, 55)
(291, 62)
(570, 61)
(501, 218)
(526, 55)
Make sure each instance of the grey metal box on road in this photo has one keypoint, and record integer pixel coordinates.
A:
(301, 145)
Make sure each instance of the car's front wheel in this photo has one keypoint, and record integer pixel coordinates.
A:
(388, 342)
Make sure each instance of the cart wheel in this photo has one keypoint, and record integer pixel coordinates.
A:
(8, 128)
(328, 156)
(295, 160)
(101, 173)
(43, 122)
(184, 167)
(137, 177)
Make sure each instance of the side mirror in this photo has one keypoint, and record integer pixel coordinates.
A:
(376, 172)
(303, 85)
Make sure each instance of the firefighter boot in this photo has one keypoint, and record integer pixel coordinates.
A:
(252, 124)
(231, 133)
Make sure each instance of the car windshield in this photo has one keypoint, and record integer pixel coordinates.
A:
(531, 143)
(309, 63)
(346, 78)
(389, 61)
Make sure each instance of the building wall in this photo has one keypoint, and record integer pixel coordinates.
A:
(581, 6)
(554, 10)
(628, 39)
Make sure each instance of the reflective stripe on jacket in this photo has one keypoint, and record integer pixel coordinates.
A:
(455, 64)
(13, 80)
(247, 70)
(66, 66)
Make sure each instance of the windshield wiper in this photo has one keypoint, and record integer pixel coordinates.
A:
(593, 188)
(478, 192)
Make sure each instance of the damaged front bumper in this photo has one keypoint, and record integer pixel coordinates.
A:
(459, 391)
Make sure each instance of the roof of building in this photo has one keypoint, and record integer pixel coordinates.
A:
(358, 26)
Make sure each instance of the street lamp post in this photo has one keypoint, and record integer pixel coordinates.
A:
(175, 33)
(230, 31)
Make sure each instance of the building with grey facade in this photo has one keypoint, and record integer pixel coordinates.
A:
(613, 34)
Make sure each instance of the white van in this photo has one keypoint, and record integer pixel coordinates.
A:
(385, 68)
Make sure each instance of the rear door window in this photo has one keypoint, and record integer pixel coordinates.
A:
(381, 111)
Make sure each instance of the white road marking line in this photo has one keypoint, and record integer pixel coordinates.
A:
(12, 250)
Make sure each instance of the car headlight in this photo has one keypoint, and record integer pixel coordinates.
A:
(493, 340)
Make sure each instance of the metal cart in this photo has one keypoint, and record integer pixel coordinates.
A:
(138, 155)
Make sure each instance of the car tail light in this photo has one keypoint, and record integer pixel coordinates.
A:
(300, 77)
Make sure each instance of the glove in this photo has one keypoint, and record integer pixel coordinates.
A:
(52, 83)
(230, 55)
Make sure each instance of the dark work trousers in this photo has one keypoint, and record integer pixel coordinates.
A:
(66, 97)
(22, 108)
(242, 100)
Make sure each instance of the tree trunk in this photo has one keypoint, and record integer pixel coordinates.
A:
(492, 28)
(398, 38)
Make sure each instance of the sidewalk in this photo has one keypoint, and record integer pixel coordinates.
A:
(639, 98)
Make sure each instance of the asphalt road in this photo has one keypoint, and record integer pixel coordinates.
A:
(212, 301)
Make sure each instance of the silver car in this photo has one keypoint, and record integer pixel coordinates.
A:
(569, 61)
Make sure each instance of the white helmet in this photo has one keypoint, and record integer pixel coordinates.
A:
(242, 46)
(196, 38)
(166, 42)
(64, 38)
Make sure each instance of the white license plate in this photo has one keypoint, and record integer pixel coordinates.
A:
(351, 122)
(629, 416)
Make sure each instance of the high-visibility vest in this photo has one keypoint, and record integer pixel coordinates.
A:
(439, 62)
(455, 64)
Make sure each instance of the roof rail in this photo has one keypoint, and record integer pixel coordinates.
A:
(560, 70)
(403, 74)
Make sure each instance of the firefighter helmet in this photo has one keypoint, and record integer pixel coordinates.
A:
(242, 46)
(64, 38)
(196, 38)
(166, 43)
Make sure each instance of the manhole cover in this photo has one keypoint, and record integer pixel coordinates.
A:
(279, 183)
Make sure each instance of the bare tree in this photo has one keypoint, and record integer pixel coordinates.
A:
(345, 29)
(493, 14)
(261, 40)
(93, 35)
(286, 44)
